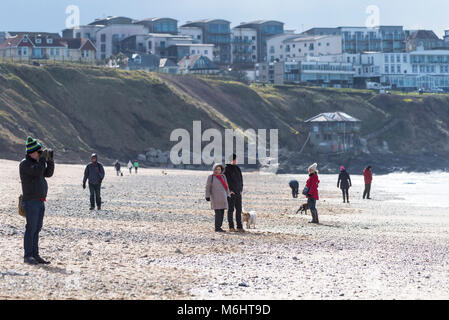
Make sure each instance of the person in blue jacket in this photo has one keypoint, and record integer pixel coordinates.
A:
(94, 172)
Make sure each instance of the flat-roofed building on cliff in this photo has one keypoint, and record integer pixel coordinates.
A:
(334, 132)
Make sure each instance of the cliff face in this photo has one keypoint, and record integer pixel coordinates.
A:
(77, 110)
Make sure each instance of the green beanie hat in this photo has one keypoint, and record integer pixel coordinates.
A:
(32, 145)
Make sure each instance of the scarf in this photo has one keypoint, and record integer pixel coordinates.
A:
(219, 177)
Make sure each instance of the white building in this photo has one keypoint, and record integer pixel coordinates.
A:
(244, 46)
(196, 33)
(298, 47)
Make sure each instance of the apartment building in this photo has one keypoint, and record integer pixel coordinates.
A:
(153, 43)
(264, 29)
(196, 33)
(217, 32)
(362, 39)
(244, 46)
(336, 74)
(296, 47)
(160, 25)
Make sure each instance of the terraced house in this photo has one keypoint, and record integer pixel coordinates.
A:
(35, 46)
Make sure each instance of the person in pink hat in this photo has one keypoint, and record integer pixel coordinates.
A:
(344, 183)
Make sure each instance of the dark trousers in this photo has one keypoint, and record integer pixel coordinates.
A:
(312, 206)
(34, 210)
(136, 169)
(367, 191)
(219, 215)
(235, 202)
(345, 194)
(95, 194)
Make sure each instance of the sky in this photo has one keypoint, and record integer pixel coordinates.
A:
(299, 15)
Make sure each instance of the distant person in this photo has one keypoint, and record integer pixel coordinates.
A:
(368, 177)
(311, 192)
(117, 167)
(33, 170)
(344, 183)
(217, 192)
(136, 165)
(130, 167)
(94, 172)
(294, 185)
(235, 180)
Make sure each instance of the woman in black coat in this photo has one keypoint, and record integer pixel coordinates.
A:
(344, 183)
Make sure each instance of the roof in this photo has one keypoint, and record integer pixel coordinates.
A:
(34, 33)
(78, 43)
(165, 62)
(424, 34)
(204, 21)
(333, 117)
(296, 38)
(155, 19)
(197, 62)
(430, 52)
(243, 25)
(107, 21)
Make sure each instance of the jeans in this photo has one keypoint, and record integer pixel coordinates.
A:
(345, 194)
(34, 210)
(95, 195)
(367, 191)
(235, 201)
(219, 215)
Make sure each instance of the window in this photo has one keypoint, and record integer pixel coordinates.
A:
(25, 51)
(49, 41)
(57, 52)
(386, 59)
(398, 58)
(398, 68)
(415, 68)
(38, 41)
(52, 52)
(103, 37)
(19, 52)
(386, 69)
(404, 58)
(206, 51)
(103, 48)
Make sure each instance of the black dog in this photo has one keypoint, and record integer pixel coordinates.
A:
(303, 208)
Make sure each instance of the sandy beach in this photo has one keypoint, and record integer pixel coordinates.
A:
(154, 239)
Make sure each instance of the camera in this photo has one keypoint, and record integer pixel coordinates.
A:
(46, 154)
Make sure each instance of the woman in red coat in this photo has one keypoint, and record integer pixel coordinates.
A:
(312, 192)
(368, 176)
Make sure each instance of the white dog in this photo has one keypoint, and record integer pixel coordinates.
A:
(249, 218)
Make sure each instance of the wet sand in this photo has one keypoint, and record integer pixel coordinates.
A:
(155, 240)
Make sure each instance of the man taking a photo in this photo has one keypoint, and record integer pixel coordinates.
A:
(33, 170)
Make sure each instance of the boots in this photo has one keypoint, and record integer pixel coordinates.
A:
(314, 216)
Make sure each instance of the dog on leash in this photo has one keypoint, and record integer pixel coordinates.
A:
(303, 208)
(249, 218)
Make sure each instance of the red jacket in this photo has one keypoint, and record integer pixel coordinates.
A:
(368, 175)
(312, 184)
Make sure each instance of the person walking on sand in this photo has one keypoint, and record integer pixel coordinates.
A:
(136, 165)
(368, 177)
(117, 167)
(130, 167)
(94, 172)
(294, 185)
(33, 170)
(311, 192)
(217, 192)
(235, 179)
(344, 183)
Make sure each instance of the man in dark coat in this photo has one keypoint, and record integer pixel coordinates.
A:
(117, 167)
(344, 183)
(235, 181)
(294, 185)
(94, 172)
(33, 170)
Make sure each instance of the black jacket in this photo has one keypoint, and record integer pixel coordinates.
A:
(95, 173)
(344, 180)
(32, 175)
(235, 179)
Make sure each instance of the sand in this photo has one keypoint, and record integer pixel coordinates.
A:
(154, 239)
